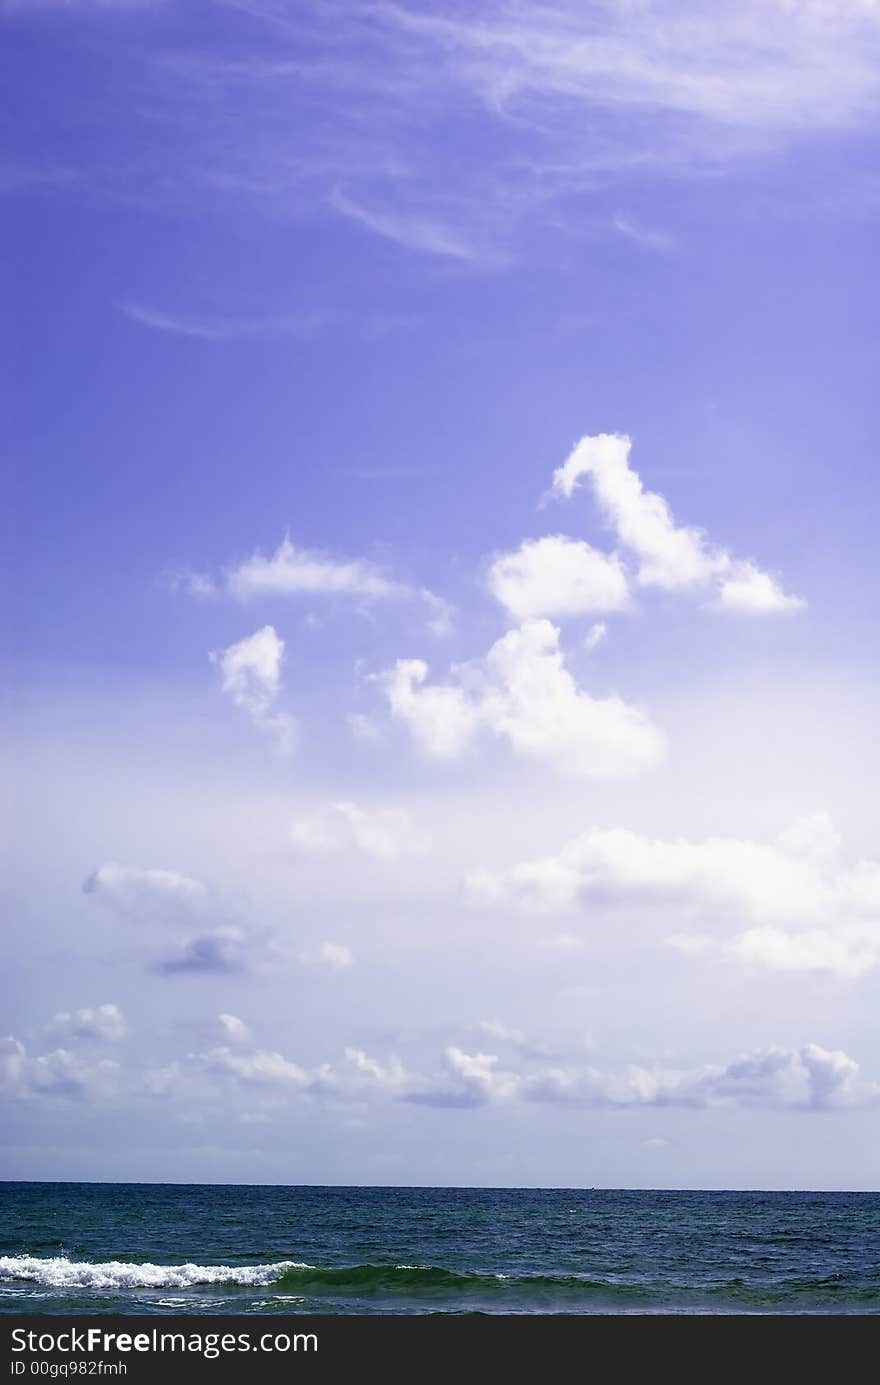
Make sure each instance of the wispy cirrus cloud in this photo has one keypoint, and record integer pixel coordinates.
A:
(648, 239)
(450, 131)
(303, 326)
(218, 328)
(413, 232)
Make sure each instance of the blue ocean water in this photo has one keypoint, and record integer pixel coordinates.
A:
(145, 1248)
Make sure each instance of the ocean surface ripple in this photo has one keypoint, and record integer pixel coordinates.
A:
(142, 1248)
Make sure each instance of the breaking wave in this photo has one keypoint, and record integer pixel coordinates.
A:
(61, 1273)
(431, 1282)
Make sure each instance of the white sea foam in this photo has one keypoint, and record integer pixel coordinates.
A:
(61, 1273)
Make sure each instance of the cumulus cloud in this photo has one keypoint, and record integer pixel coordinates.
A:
(749, 591)
(104, 1022)
(523, 693)
(59, 1073)
(810, 1078)
(470, 1079)
(251, 675)
(389, 1075)
(558, 576)
(806, 908)
(384, 833)
(263, 1068)
(806, 1079)
(671, 556)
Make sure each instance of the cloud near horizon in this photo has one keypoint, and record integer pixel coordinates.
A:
(103, 1022)
(807, 1079)
(805, 908)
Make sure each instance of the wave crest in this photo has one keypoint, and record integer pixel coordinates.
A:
(61, 1273)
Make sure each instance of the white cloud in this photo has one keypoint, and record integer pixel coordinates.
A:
(336, 956)
(103, 1022)
(470, 1079)
(364, 729)
(386, 833)
(330, 957)
(810, 1078)
(442, 719)
(263, 1068)
(850, 952)
(234, 1028)
(196, 584)
(293, 571)
(807, 909)
(413, 232)
(137, 893)
(251, 675)
(524, 693)
(561, 98)
(595, 635)
(207, 938)
(657, 241)
(667, 80)
(497, 1029)
(806, 1079)
(62, 1073)
(390, 1075)
(56, 1074)
(227, 948)
(749, 591)
(222, 327)
(441, 613)
(12, 1066)
(558, 576)
(670, 555)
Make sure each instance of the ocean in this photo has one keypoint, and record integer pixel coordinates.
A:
(145, 1248)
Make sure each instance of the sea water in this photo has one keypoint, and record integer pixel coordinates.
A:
(146, 1248)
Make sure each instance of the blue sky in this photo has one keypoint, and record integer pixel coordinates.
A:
(505, 784)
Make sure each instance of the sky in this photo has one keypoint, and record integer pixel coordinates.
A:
(440, 605)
